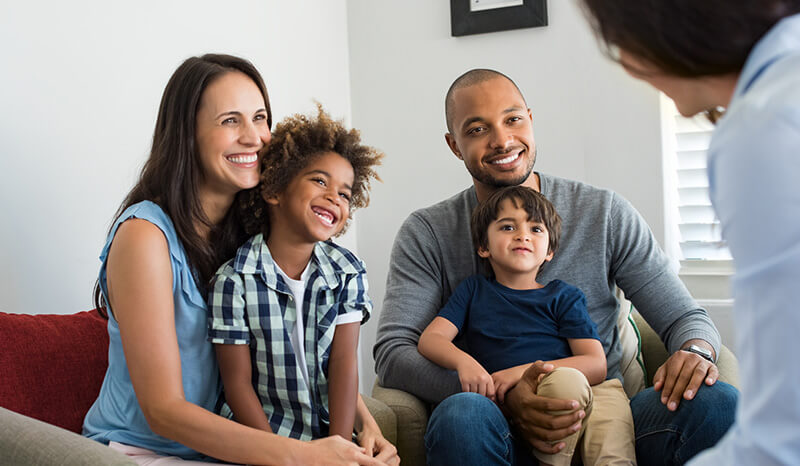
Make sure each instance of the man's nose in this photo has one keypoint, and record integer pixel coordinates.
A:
(501, 138)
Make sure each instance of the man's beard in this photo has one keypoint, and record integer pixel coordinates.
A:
(489, 180)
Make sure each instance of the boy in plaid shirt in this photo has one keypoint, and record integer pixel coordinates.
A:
(286, 310)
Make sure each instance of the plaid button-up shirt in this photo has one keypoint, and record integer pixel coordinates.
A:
(250, 304)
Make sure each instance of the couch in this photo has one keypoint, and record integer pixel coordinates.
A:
(52, 367)
(644, 354)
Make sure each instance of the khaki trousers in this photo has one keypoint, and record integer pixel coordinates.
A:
(606, 436)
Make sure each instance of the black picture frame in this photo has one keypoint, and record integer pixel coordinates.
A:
(532, 13)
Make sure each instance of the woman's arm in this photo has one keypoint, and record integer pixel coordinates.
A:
(236, 371)
(343, 379)
(139, 282)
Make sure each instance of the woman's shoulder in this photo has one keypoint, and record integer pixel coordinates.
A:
(151, 212)
(143, 226)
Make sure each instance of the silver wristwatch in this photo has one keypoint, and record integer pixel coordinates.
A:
(706, 354)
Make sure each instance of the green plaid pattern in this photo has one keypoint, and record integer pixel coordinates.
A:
(250, 304)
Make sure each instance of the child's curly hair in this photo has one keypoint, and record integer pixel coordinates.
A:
(297, 141)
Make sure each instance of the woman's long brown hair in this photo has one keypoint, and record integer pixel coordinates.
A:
(172, 173)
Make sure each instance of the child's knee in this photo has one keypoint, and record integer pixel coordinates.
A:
(566, 383)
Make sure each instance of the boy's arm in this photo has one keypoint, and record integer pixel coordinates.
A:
(343, 380)
(588, 357)
(236, 371)
(436, 344)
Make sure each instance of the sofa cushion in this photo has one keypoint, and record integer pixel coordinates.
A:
(26, 441)
(52, 365)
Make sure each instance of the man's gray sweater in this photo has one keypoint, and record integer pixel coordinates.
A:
(604, 243)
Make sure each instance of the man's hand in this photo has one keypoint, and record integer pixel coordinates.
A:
(506, 379)
(682, 375)
(531, 412)
(474, 378)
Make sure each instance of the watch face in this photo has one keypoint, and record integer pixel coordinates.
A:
(699, 350)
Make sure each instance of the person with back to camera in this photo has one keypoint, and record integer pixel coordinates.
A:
(510, 320)
(743, 57)
(174, 229)
(605, 244)
(286, 310)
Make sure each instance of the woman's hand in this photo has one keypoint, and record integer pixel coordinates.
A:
(375, 444)
(335, 451)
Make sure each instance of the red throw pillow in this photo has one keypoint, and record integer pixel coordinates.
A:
(52, 366)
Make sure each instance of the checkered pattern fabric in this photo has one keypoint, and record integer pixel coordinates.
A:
(250, 304)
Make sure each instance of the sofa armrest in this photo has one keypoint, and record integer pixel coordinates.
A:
(384, 416)
(412, 420)
(655, 354)
(24, 440)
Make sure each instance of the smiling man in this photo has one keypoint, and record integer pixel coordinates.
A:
(605, 243)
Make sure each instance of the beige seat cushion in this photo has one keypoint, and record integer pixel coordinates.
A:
(632, 363)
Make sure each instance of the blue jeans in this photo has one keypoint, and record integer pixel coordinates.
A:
(665, 437)
(469, 429)
(466, 429)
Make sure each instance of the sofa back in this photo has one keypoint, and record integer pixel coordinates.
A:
(52, 366)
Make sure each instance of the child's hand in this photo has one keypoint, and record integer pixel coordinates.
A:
(474, 378)
(506, 379)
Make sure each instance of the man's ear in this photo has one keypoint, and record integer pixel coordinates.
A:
(451, 143)
(483, 253)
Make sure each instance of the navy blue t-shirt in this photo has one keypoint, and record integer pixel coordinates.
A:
(504, 327)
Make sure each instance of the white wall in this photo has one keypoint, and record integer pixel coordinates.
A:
(592, 122)
(80, 88)
(81, 83)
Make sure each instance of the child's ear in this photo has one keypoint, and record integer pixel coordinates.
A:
(549, 256)
(483, 253)
(272, 200)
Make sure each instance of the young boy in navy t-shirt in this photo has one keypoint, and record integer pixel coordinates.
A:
(509, 321)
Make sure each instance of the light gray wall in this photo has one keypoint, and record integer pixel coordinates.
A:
(592, 122)
(80, 88)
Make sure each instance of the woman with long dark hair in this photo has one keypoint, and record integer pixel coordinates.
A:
(172, 232)
(739, 62)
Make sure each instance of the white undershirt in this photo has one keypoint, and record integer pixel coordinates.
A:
(296, 336)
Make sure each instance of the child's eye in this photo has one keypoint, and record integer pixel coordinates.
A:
(506, 228)
(319, 181)
(537, 229)
(345, 196)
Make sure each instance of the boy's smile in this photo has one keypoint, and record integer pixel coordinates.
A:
(316, 204)
(517, 247)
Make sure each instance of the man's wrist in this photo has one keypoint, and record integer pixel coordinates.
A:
(701, 348)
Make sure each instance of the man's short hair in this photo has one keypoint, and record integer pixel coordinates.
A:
(538, 208)
(471, 78)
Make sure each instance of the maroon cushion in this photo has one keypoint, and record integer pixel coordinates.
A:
(52, 366)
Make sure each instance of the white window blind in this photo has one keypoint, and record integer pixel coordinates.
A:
(700, 233)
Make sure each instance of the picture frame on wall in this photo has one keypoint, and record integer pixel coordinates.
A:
(481, 16)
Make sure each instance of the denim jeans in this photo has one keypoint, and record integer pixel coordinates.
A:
(469, 429)
(666, 437)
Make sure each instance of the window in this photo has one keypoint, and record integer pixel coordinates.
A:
(698, 231)
(693, 232)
